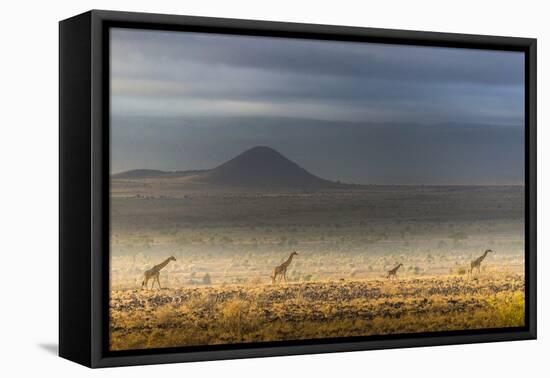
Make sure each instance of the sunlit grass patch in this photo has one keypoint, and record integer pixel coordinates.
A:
(309, 310)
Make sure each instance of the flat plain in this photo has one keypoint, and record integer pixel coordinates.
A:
(257, 313)
(227, 242)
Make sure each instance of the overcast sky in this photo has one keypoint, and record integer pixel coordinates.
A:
(355, 112)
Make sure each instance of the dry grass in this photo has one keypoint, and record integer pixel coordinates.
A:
(256, 313)
(227, 244)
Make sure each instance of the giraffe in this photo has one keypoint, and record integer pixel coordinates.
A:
(393, 272)
(154, 273)
(281, 269)
(477, 262)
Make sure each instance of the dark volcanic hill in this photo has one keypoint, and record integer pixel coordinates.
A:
(263, 166)
(258, 167)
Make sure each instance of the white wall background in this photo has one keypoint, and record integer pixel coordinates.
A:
(29, 186)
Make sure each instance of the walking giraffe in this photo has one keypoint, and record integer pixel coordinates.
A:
(281, 269)
(154, 273)
(393, 272)
(477, 262)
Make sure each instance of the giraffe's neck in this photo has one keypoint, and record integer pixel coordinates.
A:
(163, 264)
(287, 262)
(480, 258)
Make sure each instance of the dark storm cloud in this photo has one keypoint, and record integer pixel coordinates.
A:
(387, 113)
(409, 63)
(169, 73)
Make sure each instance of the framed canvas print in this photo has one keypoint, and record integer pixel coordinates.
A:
(233, 188)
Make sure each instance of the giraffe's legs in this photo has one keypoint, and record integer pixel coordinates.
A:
(158, 281)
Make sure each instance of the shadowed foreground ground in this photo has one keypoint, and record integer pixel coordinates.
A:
(249, 313)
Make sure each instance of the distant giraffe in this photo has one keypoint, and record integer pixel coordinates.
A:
(281, 269)
(154, 273)
(393, 272)
(477, 262)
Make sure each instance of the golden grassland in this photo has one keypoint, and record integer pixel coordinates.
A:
(226, 246)
(259, 312)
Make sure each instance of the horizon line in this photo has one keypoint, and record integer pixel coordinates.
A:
(333, 180)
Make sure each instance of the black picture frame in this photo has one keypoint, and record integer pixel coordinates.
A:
(84, 186)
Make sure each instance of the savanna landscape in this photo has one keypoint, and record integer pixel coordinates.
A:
(226, 241)
(269, 189)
